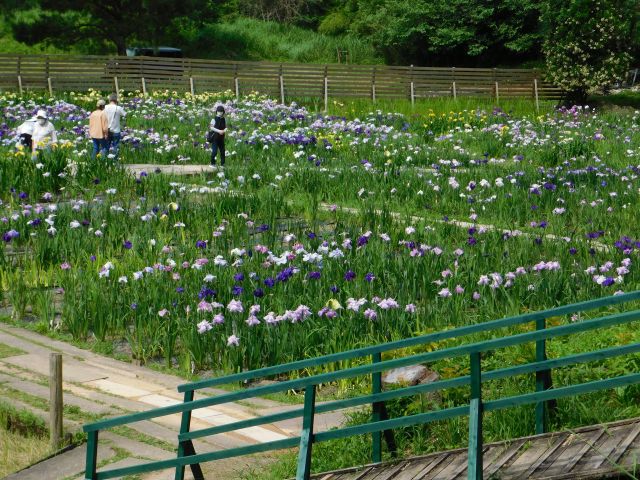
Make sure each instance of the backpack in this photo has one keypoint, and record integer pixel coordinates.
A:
(210, 136)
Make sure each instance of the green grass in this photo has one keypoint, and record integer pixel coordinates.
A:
(23, 439)
(623, 99)
(9, 351)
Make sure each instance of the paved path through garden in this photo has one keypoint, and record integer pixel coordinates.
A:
(97, 386)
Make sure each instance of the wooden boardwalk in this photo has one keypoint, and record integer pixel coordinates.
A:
(594, 452)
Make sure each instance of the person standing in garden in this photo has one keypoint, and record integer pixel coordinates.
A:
(114, 113)
(218, 128)
(99, 129)
(44, 133)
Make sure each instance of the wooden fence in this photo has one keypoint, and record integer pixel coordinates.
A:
(280, 80)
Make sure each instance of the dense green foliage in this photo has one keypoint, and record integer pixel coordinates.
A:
(420, 32)
(587, 44)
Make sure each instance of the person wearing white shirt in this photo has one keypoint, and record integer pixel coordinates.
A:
(44, 133)
(25, 134)
(114, 113)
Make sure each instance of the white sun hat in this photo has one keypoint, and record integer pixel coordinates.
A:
(41, 114)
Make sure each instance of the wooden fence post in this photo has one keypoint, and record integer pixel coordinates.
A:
(373, 84)
(55, 400)
(281, 86)
(453, 83)
(144, 87)
(50, 86)
(535, 93)
(236, 82)
(497, 93)
(46, 67)
(326, 90)
(412, 90)
(635, 75)
(192, 86)
(115, 83)
(20, 84)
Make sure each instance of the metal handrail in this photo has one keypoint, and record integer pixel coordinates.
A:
(541, 367)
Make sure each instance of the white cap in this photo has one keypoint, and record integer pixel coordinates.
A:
(41, 114)
(101, 103)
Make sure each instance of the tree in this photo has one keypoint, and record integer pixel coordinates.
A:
(67, 22)
(587, 44)
(451, 32)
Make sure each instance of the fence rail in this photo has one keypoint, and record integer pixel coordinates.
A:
(280, 80)
(538, 332)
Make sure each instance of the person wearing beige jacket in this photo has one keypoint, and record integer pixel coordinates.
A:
(99, 130)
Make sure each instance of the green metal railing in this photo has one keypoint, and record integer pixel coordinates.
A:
(544, 396)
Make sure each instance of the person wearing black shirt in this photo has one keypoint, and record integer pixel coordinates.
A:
(218, 127)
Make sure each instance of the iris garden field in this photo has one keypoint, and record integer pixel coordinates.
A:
(326, 232)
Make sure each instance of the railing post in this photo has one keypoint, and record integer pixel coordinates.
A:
(144, 87)
(543, 382)
(50, 86)
(379, 411)
(535, 94)
(186, 448)
(497, 93)
(115, 83)
(192, 86)
(92, 456)
(474, 469)
(376, 407)
(306, 436)
(20, 84)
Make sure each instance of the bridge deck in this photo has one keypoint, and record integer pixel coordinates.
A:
(594, 452)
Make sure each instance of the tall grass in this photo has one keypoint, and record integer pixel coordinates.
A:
(249, 39)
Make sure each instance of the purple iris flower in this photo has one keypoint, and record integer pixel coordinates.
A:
(237, 290)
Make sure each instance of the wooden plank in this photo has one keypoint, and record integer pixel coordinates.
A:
(419, 467)
(432, 471)
(533, 456)
(357, 475)
(603, 449)
(622, 447)
(390, 473)
(576, 446)
(492, 466)
(383, 472)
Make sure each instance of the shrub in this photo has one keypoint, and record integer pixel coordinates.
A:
(587, 44)
(335, 23)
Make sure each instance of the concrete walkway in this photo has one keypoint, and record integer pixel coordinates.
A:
(101, 387)
(182, 169)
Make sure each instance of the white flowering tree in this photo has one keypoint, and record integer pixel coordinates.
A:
(587, 44)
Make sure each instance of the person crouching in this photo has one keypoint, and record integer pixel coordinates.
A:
(44, 133)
